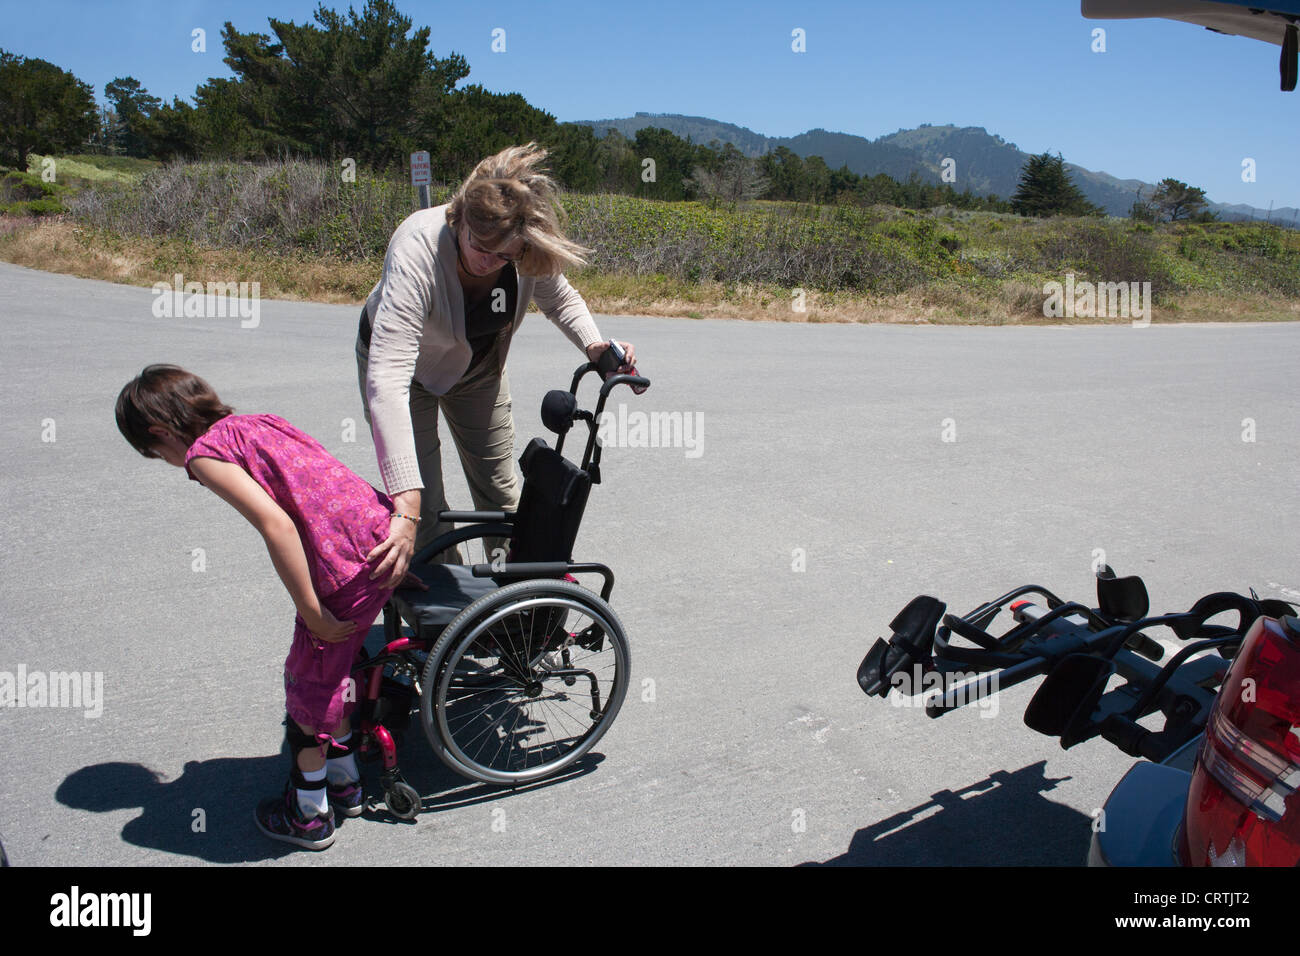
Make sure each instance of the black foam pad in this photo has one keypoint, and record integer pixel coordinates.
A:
(557, 411)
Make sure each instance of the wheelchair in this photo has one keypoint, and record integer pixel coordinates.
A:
(517, 669)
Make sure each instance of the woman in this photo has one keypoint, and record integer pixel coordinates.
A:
(435, 331)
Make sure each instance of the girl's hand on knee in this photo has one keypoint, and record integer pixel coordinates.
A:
(328, 628)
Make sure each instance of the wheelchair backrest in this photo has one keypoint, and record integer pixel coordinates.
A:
(550, 505)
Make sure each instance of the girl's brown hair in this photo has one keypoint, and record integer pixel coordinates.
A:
(169, 396)
(509, 196)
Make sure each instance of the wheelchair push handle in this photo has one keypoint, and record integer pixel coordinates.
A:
(560, 409)
(639, 383)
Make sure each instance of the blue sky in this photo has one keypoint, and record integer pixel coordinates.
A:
(1165, 99)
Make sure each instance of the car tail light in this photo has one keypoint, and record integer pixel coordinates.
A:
(1242, 808)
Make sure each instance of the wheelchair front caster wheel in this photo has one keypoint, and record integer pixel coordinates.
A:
(402, 801)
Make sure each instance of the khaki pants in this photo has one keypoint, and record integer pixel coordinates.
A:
(477, 410)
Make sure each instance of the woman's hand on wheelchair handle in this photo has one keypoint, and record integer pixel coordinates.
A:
(597, 349)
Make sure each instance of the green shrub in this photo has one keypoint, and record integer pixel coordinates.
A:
(304, 208)
(276, 206)
(23, 194)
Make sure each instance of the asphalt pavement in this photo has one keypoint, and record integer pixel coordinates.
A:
(829, 473)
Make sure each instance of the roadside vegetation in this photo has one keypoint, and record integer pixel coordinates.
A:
(305, 231)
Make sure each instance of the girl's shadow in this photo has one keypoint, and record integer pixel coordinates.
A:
(207, 812)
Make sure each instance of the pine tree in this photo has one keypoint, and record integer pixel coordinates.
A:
(1177, 200)
(132, 133)
(1045, 189)
(43, 109)
(674, 157)
(354, 85)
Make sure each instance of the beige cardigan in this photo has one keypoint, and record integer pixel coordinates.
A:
(417, 318)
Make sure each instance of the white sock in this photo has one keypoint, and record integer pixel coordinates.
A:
(313, 802)
(343, 769)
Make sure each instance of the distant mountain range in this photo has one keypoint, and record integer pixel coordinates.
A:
(985, 163)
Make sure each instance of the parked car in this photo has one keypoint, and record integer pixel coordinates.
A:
(1221, 799)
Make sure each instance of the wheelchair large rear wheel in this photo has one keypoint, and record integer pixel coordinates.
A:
(524, 681)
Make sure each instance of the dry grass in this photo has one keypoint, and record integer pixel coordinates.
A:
(60, 245)
(1237, 308)
(1014, 303)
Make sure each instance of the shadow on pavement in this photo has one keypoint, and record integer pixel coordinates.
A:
(228, 789)
(1006, 810)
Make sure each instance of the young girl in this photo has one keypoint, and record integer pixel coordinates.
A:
(321, 523)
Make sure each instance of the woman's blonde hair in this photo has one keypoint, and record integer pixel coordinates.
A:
(509, 196)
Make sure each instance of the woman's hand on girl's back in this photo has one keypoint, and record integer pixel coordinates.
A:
(397, 550)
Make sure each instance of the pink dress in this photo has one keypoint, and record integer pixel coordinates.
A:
(340, 518)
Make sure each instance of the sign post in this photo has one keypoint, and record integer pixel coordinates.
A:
(421, 176)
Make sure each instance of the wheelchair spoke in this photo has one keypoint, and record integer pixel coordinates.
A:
(503, 737)
(480, 714)
(509, 738)
(512, 670)
(470, 719)
(484, 733)
(528, 644)
(559, 711)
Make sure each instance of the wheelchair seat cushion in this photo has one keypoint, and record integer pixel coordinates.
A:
(452, 588)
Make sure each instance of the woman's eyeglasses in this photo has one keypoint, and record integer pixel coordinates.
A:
(488, 252)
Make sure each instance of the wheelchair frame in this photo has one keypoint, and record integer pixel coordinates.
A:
(432, 662)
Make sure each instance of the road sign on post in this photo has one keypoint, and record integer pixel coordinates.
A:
(421, 176)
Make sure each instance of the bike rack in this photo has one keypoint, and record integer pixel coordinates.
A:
(1080, 651)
